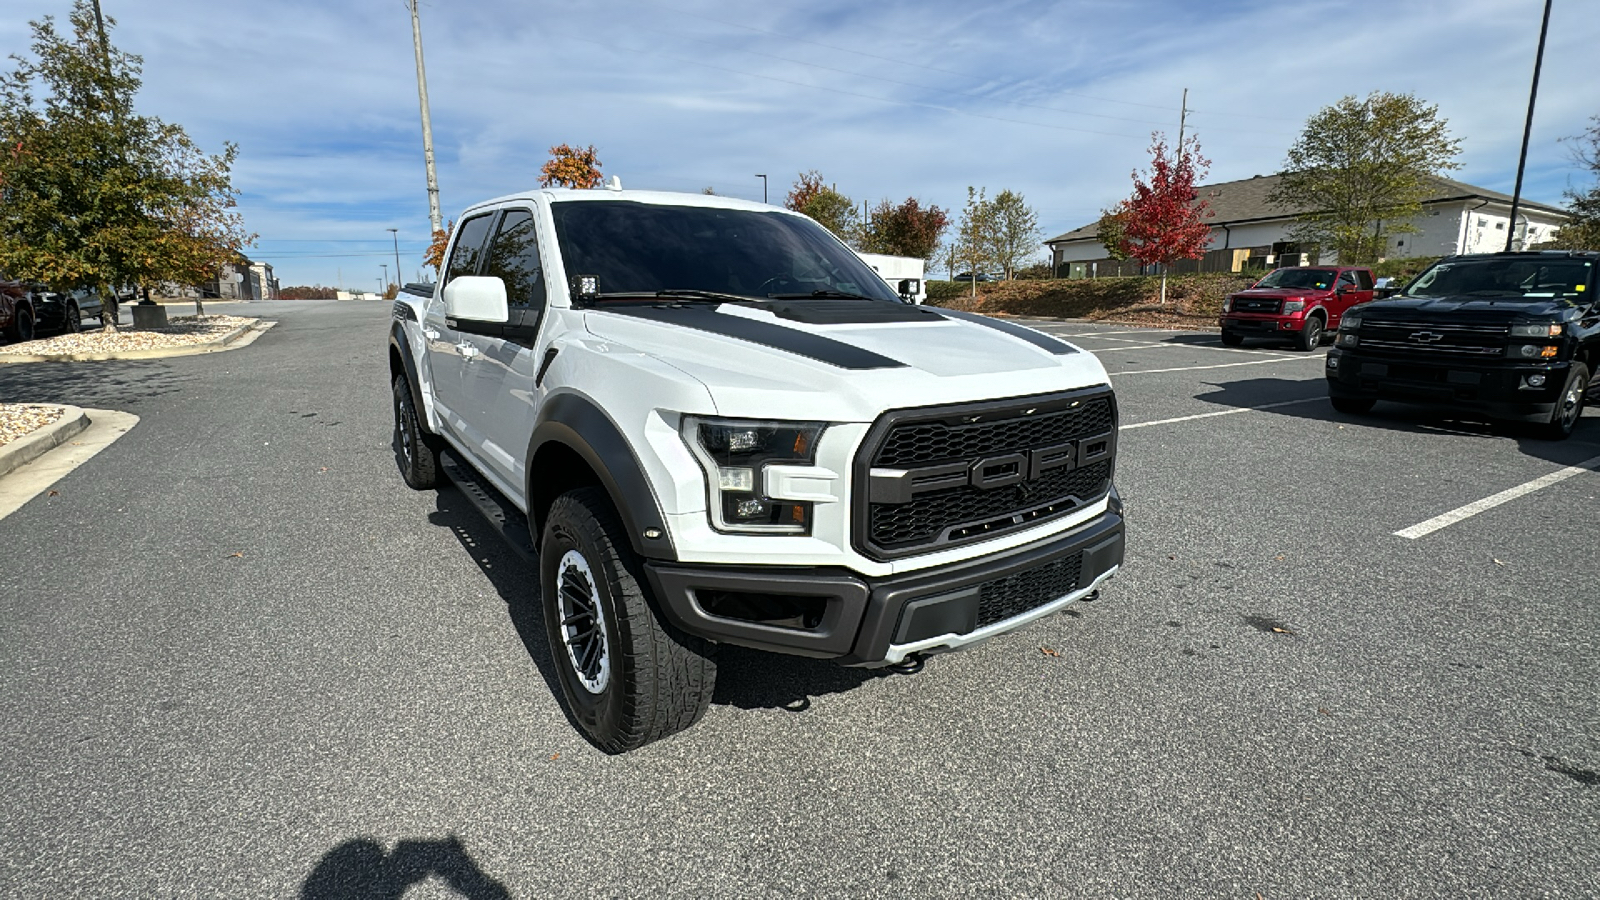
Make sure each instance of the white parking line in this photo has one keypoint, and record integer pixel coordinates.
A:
(1224, 412)
(1422, 529)
(1253, 362)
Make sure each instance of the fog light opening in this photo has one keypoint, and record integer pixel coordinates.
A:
(800, 613)
(1535, 380)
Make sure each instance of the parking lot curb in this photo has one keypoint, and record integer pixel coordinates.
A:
(224, 342)
(37, 443)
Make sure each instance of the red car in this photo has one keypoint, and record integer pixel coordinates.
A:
(1301, 304)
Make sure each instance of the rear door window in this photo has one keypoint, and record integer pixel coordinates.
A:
(1364, 279)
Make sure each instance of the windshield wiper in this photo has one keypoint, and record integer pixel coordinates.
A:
(685, 294)
(822, 295)
(676, 294)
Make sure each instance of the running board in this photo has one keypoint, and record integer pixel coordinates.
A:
(506, 518)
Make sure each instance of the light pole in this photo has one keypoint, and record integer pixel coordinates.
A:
(395, 233)
(763, 186)
(1527, 129)
(384, 285)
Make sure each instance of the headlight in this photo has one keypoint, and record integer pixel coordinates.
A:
(1533, 351)
(1347, 339)
(1227, 304)
(734, 453)
(1350, 322)
(1290, 306)
(1537, 331)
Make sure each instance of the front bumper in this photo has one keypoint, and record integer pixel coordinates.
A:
(1495, 391)
(834, 613)
(1244, 323)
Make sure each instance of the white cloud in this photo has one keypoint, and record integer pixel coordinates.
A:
(890, 99)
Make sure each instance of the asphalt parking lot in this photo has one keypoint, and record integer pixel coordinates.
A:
(238, 658)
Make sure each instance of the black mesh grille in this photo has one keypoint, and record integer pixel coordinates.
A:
(919, 443)
(939, 439)
(1255, 305)
(1014, 595)
(924, 519)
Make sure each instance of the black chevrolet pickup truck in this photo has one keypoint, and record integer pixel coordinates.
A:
(1513, 336)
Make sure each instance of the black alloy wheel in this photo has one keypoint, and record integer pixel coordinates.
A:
(1311, 334)
(417, 458)
(72, 323)
(1569, 405)
(628, 676)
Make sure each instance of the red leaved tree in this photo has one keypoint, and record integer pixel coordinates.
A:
(573, 167)
(1164, 220)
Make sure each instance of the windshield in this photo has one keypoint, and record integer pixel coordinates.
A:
(631, 247)
(1319, 279)
(1513, 279)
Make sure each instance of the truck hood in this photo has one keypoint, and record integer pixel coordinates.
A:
(1479, 307)
(758, 364)
(1280, 293)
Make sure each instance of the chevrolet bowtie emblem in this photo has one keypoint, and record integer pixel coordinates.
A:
(1426, 337)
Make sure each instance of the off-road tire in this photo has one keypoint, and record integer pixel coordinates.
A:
(1355, 406)
(21, 327)
(72, 321)
(1310, 337)
(1232, 338)
(417, 457)
(1569, 406)
(658, 680)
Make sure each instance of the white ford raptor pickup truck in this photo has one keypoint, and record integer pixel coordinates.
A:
(708, 422)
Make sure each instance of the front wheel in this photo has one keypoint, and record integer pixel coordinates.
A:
(417, 458)
(1569, 406)
(1311, 334)
(73, 323)
(21, 328)
(1232, 338)
(629, 678)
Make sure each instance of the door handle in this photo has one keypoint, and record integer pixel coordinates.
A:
(467, 350)
(431, 334)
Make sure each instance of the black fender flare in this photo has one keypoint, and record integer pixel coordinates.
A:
(577, 424)
(399, 344)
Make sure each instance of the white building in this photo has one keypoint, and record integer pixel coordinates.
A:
(1249, 232)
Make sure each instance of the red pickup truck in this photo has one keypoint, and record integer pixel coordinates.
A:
(1302, 304)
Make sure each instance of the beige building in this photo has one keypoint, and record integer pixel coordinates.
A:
(1247, 231)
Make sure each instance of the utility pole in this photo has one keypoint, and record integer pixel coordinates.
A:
(1527, 129)
(383, 286)
(100, 25)
(395, 233)
(427, 122)
(763, 186)
(1183, 114)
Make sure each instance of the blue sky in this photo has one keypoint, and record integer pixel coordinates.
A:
(888, 100)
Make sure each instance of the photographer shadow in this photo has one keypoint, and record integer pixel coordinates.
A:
(360, 869)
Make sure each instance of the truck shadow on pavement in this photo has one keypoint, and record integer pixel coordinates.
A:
(361, 869)
(113, 384)
(747, 679)
(1406, 418)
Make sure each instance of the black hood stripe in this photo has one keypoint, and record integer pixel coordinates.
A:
(1038, 339)
(790, 340)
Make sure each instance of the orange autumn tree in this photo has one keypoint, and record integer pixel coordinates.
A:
(434, 255)
(571, 167)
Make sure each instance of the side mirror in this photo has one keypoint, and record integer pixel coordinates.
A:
(1342, 289)
(476, 298)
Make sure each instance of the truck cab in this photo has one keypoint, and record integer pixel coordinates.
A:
(1301, 304)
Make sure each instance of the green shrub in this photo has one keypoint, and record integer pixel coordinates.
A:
(944, 290)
